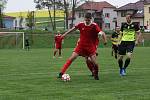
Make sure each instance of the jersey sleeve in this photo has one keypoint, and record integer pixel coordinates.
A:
(137, 28)
(122, 26)
(97, 28)
(78, 26)
(113, 35)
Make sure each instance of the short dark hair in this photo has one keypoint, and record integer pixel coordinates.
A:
(88, 15)
(129, 15)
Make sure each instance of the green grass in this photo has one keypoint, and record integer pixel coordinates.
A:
(32, 76)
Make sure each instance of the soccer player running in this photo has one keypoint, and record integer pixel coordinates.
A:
(128, 41)
(87, 46)
(115, 38)
(58, 44)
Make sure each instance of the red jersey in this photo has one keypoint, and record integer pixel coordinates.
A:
(88, 34)
(89, 40)
(58, 41)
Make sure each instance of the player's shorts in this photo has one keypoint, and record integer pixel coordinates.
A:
(126, 47)
(85, 51)
(58, 46)
(115, 48)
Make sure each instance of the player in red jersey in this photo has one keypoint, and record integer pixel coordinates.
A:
(88, 60)
(88, 44)
(58, 44)
(89, 63)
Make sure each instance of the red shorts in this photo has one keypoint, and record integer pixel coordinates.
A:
(58, 46)
(85, 50)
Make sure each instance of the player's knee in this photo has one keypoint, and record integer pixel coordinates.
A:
(128, 59)
(120, 57)
(129, 55)
(73, 56)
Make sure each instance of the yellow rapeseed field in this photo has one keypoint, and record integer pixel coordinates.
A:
(38, 13)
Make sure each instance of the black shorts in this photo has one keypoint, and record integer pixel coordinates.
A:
(125, 47)
(27, 44)
(115, 48)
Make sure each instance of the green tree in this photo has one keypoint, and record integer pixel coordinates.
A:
(50, 5)
(2, 6)
(75, 3)
(30, 19)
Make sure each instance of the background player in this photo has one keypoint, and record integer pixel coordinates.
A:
(115, 38)
(58, 44)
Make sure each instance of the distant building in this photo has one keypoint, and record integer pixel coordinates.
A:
(14, 22)
(103, 14)
(147, 14)
(19, 23)
(135, 9)
(8, 21)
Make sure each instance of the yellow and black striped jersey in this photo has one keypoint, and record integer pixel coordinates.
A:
(115, 38)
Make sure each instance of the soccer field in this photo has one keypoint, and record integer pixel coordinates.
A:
(31, 75)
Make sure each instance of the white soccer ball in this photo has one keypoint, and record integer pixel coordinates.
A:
(65, 77)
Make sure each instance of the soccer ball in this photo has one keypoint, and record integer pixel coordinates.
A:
(65, 77)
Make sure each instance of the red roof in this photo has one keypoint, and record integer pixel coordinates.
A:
(132, 6)
(146, 2)
(137, 7)
(8, 17)
(96, 5)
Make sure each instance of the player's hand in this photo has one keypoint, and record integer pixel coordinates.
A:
(105, 43)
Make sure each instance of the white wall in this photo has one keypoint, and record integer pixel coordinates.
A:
(16, 23)
(113, 14)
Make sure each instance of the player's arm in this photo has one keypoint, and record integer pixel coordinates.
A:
(120, 37)
(139, 34)
(54, 42)
(62, 41)
(69, 31)
(104, 37)
(112, 37)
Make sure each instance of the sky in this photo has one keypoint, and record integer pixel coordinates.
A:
(28, 5)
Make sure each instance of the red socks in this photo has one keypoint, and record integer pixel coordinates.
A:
(66, 65)
(90, 65)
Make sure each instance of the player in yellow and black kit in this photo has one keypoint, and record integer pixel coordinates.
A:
(128, 41)
(115, 38)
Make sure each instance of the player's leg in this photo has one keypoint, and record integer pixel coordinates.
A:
(55, 51)
(127, 62)
(68, 63)
(28, 47)
(89, 64)
(120, 63)
(95, 66)
(122, 52)
(59, 52)
(130, 48)
(112, 52)
(116, 51)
